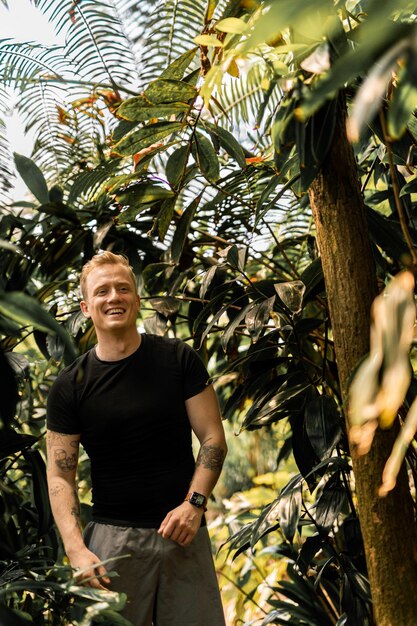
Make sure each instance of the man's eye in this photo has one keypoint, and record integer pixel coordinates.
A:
(124, 289)
(101, 292)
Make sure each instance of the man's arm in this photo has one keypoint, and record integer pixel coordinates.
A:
(182, 523)
(62, 453)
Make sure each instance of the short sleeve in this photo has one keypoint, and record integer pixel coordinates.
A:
(61, 413)
(194, 372)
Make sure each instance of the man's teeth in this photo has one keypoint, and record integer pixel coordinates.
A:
(115, 311)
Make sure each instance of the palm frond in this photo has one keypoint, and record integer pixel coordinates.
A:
(94, 39)
(6, 172)
(251, 98)
(162, 31)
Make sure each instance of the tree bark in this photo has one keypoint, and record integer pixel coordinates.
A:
(387, 524)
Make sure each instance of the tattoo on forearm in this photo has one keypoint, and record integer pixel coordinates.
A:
(55, 491)
(65, 462)
(76, 509)
(211, 457)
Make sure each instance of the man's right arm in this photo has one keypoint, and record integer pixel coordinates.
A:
(62, 453)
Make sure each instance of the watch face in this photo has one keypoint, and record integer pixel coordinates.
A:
(197, 499)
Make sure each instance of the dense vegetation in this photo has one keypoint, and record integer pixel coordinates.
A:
(206, 140)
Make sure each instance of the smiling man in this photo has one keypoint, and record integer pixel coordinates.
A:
(133, 401)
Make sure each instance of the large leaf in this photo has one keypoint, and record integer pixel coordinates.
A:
(177, 68)
(40, 491)
(27, 311)
(138, 109)
(182, 230)
(168, 90)
(33, 177)
(206, 157)
(229, 143)
(139, 197)
(404, 100)
(8, 391)
(289, 510)
(323, 425)
(330, 503)
(12, 442)
(145, 137)
(258, 316)
(176, 164)
(167, 306)
(10, 617)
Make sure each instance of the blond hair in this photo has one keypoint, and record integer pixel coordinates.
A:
(104, 258)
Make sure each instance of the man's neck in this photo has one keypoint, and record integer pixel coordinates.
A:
(115, 348)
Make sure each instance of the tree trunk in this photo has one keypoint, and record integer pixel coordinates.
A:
(387, 524)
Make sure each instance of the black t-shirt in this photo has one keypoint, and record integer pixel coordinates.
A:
(134, 426)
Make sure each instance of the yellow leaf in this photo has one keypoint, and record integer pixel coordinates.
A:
(208, 40)
(231, 25)
(233, 69)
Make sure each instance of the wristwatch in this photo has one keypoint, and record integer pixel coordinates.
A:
(197, 499)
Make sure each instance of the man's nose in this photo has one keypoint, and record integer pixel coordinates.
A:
(114, 294)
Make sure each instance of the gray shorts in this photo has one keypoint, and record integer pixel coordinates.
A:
(166, 584)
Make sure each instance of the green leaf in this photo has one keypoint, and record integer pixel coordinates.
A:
(237, 256)
(404, 103)
(354, 63)
(138, 109)
(323, 425)
(12, 442)
(182, 229)
(27, 311)
(206, 157)
(177, 68)
(176, 164)
(140, 197)
(289, 511)
(165, 216)
(330, 503)
(233, 324)
(10, 617)
(8, 391)
(60, 210)
(163, 91)
(229, 144)
(40, 491)
(168, 306)
(32, 177)
(145, 137)
(258, 316)
(308, 551)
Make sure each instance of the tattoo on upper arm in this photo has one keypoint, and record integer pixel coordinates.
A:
(211, 457)
(65, 462)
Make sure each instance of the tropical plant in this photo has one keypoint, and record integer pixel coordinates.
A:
(140, 147)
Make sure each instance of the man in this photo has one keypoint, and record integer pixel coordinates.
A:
(132, 401)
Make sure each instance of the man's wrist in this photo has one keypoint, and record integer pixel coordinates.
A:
(197, 499)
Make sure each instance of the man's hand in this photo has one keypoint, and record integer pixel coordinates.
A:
(87, 564)
(181, 524)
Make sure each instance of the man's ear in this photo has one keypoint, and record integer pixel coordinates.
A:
(84, 308)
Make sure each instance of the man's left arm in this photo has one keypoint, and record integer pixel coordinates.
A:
(182, 523)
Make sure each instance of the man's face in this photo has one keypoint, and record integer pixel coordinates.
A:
(111, 300)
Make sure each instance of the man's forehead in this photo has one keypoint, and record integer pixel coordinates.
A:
(109, 273)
